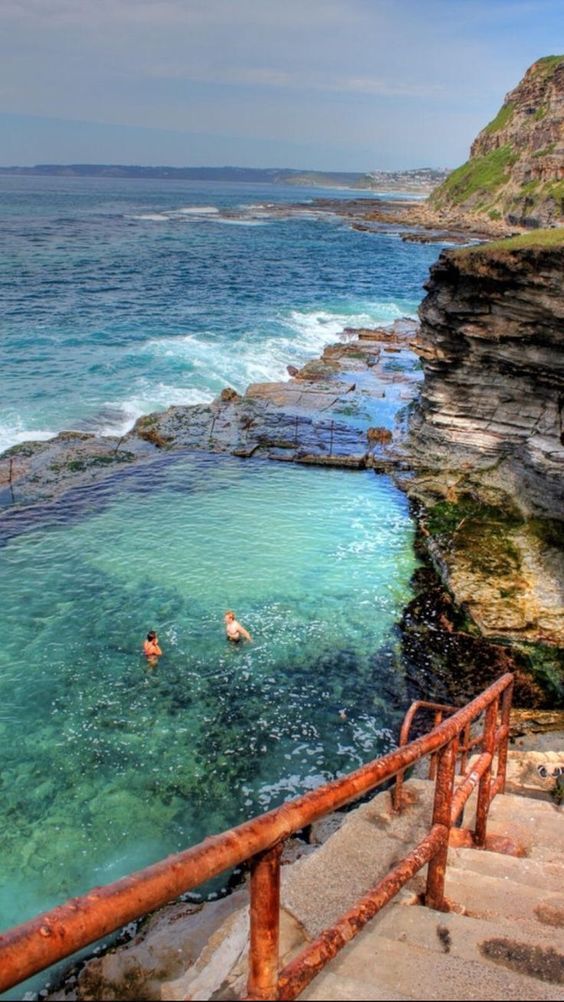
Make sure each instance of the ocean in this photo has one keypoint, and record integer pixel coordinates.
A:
(121, 297)
(118, 298)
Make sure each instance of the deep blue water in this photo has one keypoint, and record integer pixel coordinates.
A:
(121, 297)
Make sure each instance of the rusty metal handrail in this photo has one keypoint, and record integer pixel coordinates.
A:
(440, 709)
(60, 932)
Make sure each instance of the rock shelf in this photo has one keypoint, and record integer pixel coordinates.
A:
(342, 409)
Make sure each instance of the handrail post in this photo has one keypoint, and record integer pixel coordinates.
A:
(506, 699)
(446, 765)
(265, 924)
(438, 719)
(465, 745)
(488, 746)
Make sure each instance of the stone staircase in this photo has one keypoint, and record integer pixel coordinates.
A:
(503, 937)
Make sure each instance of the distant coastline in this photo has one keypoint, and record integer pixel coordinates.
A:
(420, 180)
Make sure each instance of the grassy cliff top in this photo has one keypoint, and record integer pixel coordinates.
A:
(553, 237)
(513, 172)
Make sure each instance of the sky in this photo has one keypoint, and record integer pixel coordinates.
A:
(321, 84)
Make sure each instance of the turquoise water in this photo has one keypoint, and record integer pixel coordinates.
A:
(109, 765)
(118, 298)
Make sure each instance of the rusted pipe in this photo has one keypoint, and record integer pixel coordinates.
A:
(442, 807)
(265, 925)
(34, 945)
(433, 760)
(483, 805)
(419, 704)
(468, 785)
(465, 748)
(300, 971)
(506, 699)
(496, 786)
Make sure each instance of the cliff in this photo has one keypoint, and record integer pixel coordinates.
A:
(515, 173)
(486, 438)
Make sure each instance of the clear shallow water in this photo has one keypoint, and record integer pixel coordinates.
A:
(108, 765)
(122, 297)
(118, 298)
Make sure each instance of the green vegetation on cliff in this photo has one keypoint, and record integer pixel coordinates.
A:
(514, 169)
(547, 64)
(502, 118)
(479, 175)
(534, 238)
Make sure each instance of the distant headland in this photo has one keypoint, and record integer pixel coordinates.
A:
(419, 181)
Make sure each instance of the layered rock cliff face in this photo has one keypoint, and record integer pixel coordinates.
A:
(516, 168)
(487, 434)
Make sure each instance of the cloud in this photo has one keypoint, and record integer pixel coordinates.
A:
(360, 71)
(302, 80)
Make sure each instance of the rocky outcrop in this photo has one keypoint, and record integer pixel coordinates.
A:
(338, 410)
(516, 167)
(486, 436)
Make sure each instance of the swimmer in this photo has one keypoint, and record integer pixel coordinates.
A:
(151, 649)
(233, 630)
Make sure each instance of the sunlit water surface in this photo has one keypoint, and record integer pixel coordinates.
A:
(108, 765)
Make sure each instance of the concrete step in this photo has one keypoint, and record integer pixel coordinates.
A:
(476, 939)
(376, 966)
(503, 938)
(536, 825)
(529, 872)
(505, 900)
(320, 887)
(328, 986)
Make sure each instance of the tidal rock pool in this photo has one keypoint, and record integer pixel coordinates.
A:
(108, 765)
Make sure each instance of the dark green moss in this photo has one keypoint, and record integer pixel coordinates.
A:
(447, 517)
(459, 662)
(481, 532)
(546, 665)
(23, 449)
(79, 465)
(550, 531)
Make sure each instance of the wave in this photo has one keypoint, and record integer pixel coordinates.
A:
(255, 214)
(317, 328)
(189, 211)
(297, 336)
(197, 210)
(117, 418)
(208, 362)
(154, 217)
(11, 435)
(241, 222)
(114, 418)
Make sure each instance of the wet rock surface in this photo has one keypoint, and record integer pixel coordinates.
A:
(338, 410)
(415, 222)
